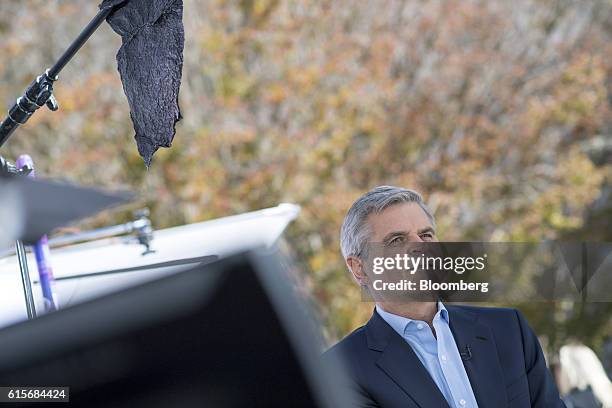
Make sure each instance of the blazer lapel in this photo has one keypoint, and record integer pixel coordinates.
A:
(402, 365)
(482, 363)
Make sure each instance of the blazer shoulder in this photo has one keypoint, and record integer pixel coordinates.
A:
(487, 312)
(352, 343)
(497, 318)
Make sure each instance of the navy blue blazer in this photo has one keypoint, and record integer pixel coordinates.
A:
(505, 364)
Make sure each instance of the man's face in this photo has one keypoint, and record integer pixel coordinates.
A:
(399, 230)
(399, 224)
(395, 228)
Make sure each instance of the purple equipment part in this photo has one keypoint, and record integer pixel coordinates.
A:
(41, 251)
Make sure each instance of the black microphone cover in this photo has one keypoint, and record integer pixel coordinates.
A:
(150, 63)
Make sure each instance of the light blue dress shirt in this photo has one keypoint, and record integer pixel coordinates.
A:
(439, 356)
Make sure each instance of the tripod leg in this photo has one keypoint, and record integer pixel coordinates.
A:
(25, 278)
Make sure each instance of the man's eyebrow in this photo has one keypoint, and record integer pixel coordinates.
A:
(426, 229)
(393, 234)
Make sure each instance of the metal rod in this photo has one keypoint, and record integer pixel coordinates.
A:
(25, 279)
(40, 92)
(104, 232)
(78, 43)
(141, 225)
(41, 250)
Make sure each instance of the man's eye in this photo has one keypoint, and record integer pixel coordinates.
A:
(426, 236)
(396, 241)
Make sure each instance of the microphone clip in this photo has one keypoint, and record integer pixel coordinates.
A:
(466, 353)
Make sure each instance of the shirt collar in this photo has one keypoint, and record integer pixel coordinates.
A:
(400, 323)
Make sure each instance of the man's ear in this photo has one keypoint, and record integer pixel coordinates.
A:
(355, 265)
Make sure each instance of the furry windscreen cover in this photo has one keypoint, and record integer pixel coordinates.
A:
(150, 63)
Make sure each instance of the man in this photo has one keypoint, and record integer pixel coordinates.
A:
(425, 354)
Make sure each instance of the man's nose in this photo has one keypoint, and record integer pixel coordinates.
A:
(415, 246)
(415, 238)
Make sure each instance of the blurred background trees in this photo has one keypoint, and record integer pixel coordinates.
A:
(499, 112)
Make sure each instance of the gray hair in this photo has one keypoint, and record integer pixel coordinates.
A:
(354, 233)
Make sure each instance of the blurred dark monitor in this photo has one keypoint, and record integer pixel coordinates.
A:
(226, 334)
